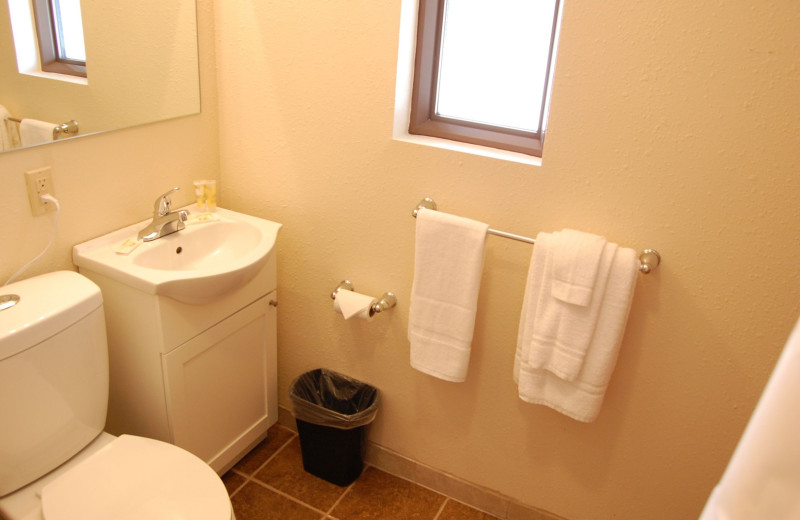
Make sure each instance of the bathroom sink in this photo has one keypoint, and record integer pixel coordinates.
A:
(212, 256)
(214, 246)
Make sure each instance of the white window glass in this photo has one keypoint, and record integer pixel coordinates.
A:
(69, 29)
(493, 62)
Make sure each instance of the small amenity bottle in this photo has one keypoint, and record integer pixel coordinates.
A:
(200, 194)
(211, 195)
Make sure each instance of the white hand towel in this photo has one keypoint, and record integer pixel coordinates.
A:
(582, 397)
(576, 259)
(33, 131)
(763, 476)
(448, 261)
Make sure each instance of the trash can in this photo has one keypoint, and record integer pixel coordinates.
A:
(332, 412)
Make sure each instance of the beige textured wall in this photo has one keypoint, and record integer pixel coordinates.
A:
(673, 126)
(108, 181)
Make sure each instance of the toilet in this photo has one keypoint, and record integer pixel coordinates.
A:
(56, 463)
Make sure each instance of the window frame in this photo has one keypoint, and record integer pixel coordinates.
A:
(48, 43)
(423, 118)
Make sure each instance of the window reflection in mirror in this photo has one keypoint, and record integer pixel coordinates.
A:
(59, 32)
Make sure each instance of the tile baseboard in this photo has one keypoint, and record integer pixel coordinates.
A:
(470, 494)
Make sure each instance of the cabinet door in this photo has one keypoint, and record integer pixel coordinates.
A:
(218, 385)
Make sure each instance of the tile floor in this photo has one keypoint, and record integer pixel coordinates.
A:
(269, 483)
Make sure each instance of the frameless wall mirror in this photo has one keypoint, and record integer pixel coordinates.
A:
(141, 67)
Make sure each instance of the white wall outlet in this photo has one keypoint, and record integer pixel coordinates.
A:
(39, 182)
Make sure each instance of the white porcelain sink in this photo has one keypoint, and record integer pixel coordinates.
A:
(195, 265)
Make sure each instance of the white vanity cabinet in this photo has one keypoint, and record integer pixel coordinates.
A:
(203, 377)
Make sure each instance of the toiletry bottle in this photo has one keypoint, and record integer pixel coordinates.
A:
(200, 195)
(211, 195)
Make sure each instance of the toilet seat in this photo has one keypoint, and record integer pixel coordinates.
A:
(133, 478)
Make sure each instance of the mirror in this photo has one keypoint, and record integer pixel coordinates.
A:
(142, 66)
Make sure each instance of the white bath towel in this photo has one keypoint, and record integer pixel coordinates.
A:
(33, 131)
(763, 476)
(582, 396)
(448, 261)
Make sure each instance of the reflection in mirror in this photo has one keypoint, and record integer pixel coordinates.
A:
(141, 62)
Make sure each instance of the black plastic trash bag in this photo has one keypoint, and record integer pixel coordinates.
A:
(327, 398)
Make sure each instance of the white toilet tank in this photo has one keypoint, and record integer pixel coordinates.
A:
(53, 374)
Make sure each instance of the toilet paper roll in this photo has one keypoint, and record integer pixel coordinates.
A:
(351, 304)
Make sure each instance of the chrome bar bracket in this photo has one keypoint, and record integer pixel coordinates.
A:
(649, 260)
(346, 285)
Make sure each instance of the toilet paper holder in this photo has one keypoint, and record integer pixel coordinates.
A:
(385, 302)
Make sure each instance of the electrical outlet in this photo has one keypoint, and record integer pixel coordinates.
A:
(40, 182)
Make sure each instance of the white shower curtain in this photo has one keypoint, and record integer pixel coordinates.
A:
(762, 480)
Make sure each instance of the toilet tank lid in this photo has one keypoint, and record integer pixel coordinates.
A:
(47, 304)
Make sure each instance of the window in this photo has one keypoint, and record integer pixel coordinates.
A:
(483, 71)
(59, 30)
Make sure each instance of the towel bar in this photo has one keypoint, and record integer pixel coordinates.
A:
(69, 128)
(649, 259)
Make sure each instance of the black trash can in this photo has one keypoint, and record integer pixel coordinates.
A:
(332, 412)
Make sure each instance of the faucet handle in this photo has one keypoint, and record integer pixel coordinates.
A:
(163, 203)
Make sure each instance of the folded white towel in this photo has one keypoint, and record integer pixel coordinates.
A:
(576, 259)
(448, 261)
(562, 332)
(763, 476)
(581, 397)
(33, 131)
(554, 335)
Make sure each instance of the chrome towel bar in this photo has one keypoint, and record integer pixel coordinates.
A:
(649, 259)
(64, 129)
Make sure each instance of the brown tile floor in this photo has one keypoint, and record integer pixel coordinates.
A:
(269, 483)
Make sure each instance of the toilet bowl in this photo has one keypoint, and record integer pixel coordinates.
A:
(57, 463)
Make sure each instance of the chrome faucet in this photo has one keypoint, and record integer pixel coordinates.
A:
(164, 222)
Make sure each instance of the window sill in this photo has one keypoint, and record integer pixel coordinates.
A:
(57, 77)
(473, 149)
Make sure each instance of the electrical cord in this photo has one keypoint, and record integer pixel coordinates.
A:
(47, 199)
